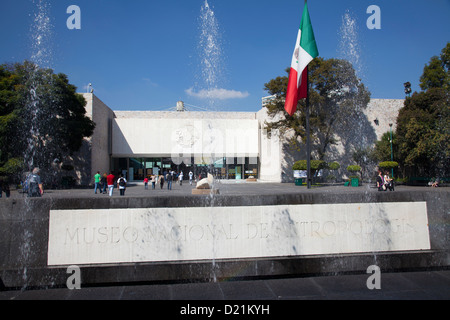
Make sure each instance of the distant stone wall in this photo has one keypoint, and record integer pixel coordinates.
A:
(364, 132)
(386, 112)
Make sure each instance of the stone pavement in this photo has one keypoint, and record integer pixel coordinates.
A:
(417, 285)
(227, 188)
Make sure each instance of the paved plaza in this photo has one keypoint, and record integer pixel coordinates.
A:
(136, 189)
(418, 285)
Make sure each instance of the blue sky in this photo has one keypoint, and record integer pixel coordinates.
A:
(144, 55)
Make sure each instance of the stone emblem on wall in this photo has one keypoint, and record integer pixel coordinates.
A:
(187, 136)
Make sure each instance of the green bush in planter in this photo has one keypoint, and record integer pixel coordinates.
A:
(315, 165)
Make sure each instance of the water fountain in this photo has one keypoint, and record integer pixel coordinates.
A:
(356, 134)
(41, 31)
(210, 53)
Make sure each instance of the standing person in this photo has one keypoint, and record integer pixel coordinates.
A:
(169, 178)
(97, 178)
(146, 183)
(388, 182)
(191, 177)
(35, 188)
(153, 181)
(122, 184)
(180, 178)
(380, 182)
(161, 181)
(104, 183)
(110, 180)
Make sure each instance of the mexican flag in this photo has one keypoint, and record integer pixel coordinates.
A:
(305, 50)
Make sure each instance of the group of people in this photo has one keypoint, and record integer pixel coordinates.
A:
(168, 177)
(384, 182)
(109, 181)
(101, 182)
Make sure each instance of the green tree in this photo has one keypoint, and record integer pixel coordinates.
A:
(436, 74)
(382, 149)
(10, 162)
(42, 117)
(337, 98)
(423, 132)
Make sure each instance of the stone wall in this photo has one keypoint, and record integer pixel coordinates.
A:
(386, 112)
(362, 132)
(25, 225)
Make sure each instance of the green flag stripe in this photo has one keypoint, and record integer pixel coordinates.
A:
(307, 41)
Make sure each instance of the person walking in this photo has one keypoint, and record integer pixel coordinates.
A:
(122, 184)
(104, 183)
(35, 187)
(169, 178)
(97, 178)
(153, 181)
(146, 183)
(180, 178)
(161, 181)
(191, 177)
(380, 182)
(110, 180)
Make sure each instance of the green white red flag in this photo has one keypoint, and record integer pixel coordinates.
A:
(305, 50)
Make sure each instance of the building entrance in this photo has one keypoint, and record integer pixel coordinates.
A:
(137, 168)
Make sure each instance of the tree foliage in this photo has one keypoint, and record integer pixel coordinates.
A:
(315, 165)
(423, 131)
(337, 97)
(41, 117)
(382, 149)
(388, 164)
(421, 143)
(436, 74)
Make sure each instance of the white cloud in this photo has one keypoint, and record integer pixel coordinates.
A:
(221, 94)
(149, 82)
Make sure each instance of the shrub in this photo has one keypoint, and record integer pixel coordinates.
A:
(353, 168)
(315, 165)
(388, 164)
(333, 165)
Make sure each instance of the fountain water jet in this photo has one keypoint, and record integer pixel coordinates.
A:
(41, 31)
(210, 52)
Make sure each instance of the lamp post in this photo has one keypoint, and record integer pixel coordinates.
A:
(392, 154)
(407, 86)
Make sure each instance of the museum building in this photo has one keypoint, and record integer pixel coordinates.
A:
(232, 145)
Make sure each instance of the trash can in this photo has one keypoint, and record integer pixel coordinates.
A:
(298, 181)
(355, 182)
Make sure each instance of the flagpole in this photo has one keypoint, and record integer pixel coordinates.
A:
(308, 140)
